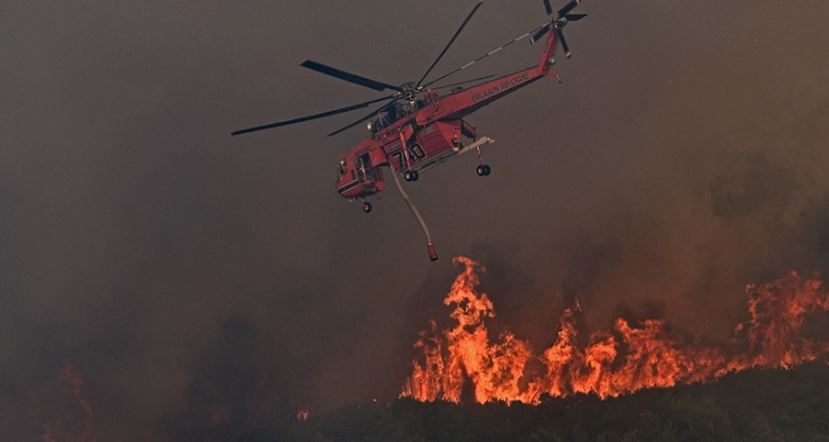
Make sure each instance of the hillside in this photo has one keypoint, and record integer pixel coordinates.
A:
(754, 405)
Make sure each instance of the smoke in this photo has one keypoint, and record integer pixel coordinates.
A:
(234, 394)
(682, 158)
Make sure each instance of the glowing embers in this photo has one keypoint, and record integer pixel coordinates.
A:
(623, 359)
(302, 415)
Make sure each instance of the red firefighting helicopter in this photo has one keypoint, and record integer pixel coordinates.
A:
(416, 129)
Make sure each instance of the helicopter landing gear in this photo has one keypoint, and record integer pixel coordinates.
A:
(411, 175)
(366, 207)
(482, 169)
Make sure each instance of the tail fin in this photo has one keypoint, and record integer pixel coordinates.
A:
(557, 24)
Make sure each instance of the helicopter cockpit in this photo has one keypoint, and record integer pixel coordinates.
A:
(400, 109)
(397, 111)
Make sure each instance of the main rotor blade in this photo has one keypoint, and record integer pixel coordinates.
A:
(347, 76)
(452, 40)
(463, 82)
(568, 7)
(548, 7)
(310, 117)
(373, 113)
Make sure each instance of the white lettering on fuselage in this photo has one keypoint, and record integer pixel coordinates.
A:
(495, 90)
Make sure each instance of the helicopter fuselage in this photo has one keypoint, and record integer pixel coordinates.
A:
(417, 129)
(430, 135)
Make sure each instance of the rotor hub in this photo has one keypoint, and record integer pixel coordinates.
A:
(410, 90)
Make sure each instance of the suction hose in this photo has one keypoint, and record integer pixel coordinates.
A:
(430, 247)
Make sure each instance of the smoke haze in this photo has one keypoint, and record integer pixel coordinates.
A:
(683, 157)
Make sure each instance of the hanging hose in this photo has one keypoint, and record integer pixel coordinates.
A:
(433, 253)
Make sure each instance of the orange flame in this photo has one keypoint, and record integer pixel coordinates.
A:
(627, 358)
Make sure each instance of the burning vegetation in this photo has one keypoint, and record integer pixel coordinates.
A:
(629, 356)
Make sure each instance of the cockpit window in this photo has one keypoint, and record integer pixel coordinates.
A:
(397, 111)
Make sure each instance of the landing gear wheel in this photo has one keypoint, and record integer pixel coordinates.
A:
(367, 207)
(483, 170)
(411, 175)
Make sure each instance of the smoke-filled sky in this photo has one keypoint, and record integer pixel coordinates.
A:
(684, 155)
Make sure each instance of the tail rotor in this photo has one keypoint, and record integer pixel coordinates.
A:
(558, 22)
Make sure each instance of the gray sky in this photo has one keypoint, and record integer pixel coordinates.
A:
(683, 156)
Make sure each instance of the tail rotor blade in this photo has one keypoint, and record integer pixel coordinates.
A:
(568, 7)
(548, 7)
(540, 33)
(574, 17)
(563, 41)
